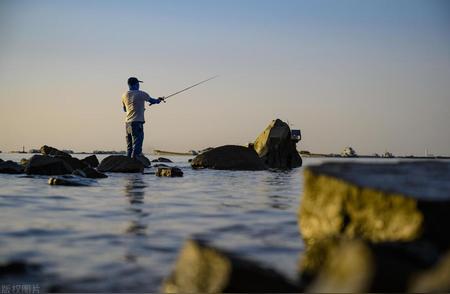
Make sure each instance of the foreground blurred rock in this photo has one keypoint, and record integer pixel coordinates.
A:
(375, 227)
(276, 148)
(205, 269)
(229, 157)
(120, 164)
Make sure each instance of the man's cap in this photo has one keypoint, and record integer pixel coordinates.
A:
(133, 80)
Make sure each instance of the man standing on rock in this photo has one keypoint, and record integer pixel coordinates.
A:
(133, 104)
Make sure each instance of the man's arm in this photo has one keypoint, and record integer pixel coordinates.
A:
(153, 100)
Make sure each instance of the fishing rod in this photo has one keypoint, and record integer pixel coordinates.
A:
(185, 89)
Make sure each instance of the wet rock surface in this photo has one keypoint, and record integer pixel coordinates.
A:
(47, 165)
(275, 147)
(120, 164)
(375, 227)
(229, 157)
(201, 268)
(10, 167)
(169, 172)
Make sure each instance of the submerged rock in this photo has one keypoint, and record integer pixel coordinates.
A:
(47, 165)
(10, 167)
(161, 159)
(169, 172)
(69, 181)
(50, 151)
(91, 161)
(229, 157)
(201, 268)
(276, 148)
(120, 164)
(89, 172)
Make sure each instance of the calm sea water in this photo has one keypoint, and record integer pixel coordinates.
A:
(124, 233)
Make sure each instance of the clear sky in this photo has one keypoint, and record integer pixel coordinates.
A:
(374, 75)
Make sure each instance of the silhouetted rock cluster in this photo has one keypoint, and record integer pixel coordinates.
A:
(120, 164)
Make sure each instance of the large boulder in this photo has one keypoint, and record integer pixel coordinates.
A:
(91, 161)
(10, 167)
(229, 157)
(276, 148)
(377, 202)
(120, 164)
(375, 227)
(201, 268)
(47, 150)
(47, 165)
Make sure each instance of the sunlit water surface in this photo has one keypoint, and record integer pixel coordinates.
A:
(124, 233)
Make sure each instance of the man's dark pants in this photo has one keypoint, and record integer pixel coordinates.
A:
(135, 138)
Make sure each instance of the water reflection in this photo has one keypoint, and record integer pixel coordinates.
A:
(135, 191)
(277, 186)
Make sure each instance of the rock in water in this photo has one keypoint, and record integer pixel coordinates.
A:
(89, 172)
(275, 147)
(73, 162)
(47, 150)
(10, 167)
(120, 164)
(204, 269)
(46, 165)
(91, 161)
(144, 160)
(229, 157)
(161, 159)
(169, 172)
(69, 181)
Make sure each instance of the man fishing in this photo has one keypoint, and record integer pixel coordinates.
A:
(133, 104)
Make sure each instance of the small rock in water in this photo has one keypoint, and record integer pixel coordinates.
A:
(1, 160)
(47, 165)
(201, 268)
(10, 167)
(47, 150)
(91, 161)
(161, 159)
(144, 160)
(69, 181)
(120, 164)
(17, 267)
(160, 165)
(169, 172)
(24, 162)
(89, 172)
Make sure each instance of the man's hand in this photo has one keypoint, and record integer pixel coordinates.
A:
(162, 99)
